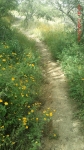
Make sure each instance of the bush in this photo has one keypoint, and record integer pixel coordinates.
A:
(21, 121)
(57, 41)
(71, 55)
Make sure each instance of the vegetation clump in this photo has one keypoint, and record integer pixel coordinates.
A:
(65, 48)
(21, 122)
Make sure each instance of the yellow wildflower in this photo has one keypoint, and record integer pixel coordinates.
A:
(2, 140)
(6, 103)
(14, 53)
(16, 84)
(26, 95)
(54, 135)
(32, 65)
(12, 78)
(10, 66)
(36, 119)
(29, 113)
(22, 94)
(24, 120)
(32, 110)
(48, 108)
(13, 143)
(25, 75)
(1, 100)
(6, 46)
(26, 127)
(28, 106)
(26, 80)
(1, 56)
(47, 114)
(2, 127)
(24, 87)
(36, 142)
(50, 114)
(3, 68)
(3, 60)
(44, 111)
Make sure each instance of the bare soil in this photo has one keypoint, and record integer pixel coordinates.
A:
(57, 98)
(63, 119)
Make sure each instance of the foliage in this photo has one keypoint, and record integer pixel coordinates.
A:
(69, 9)
(6, 6)
(47, 12)
(64, 47)
(55, 42)
(33, 9)
(21, 121)
(27, 8)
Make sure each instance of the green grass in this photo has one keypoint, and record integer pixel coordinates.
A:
(21, 121)
(65, 48)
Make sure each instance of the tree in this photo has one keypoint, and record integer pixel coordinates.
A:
(6, 6)
(36, 8)
(27, 8)
(69, 9)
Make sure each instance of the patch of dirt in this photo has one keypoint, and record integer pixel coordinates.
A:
(56, 89)
(70, 137)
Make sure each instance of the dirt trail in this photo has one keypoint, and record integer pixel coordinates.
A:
(70, 137)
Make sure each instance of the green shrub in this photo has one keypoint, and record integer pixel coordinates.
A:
(21, 121)
(57, 41)
(71, 55)
(5, 32)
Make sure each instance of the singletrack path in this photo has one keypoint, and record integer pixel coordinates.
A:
(70, 137)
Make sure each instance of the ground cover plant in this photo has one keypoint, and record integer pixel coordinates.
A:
(21, 122)
(65, 48)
